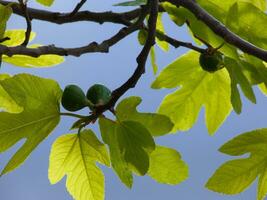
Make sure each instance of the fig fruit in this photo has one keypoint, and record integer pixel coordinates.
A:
(211, 62)
(73, 98)
(98, 94)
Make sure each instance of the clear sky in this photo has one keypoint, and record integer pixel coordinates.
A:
(199, 150)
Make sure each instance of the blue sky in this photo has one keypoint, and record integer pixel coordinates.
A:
(198, 149)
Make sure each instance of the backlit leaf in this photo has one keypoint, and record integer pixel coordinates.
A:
(75, 155)
(197, 88)
(166, 166)
(235, 176)
(157, 124)
(39, 98)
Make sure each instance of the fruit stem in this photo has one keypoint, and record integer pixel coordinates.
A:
(73, 115)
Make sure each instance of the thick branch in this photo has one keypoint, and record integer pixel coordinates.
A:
(219, 29)
(141, 60)
(61, 18)
(92, 47)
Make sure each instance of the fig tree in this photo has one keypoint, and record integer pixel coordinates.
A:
(73, 98)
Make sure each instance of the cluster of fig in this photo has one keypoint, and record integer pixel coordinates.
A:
(74, 99)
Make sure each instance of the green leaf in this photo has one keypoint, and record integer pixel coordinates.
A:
(75, 155)
(262, 185)
(5, 13)
(40, 99)
(120, 166)
(132, 3)
(252, 141)
(176, 14)
(257, 64)
(166, 166)
(160, 28)
(45, 2)
(197, 88)
(136, 143)
(235, 176)
(130, 144)
(142, 35)
(237, 77)
(6, 102)
(153, 60)
(16, 36)
(248, 22)
(156, 124)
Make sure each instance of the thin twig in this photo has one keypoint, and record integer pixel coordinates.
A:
(77, 8)
(23, 6)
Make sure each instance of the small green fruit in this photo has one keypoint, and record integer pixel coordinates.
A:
(98, 94)
(211, 62)
(73, 98)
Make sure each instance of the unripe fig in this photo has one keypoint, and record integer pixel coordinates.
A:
(73, 98)
(211, 62)
(98, 94)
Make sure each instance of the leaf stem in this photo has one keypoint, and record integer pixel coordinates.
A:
(73, 115)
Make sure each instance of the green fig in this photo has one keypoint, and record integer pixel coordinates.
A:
(98, 94)
(211, 62)
(73, 98)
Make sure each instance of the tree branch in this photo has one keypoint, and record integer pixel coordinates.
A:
(141, 60)
(219, 29)
(92, 47)
(62, 18)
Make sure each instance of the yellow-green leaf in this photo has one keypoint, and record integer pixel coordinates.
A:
(16, 36)
(75, 155)
(6, 102)
(166, 166)
(197, 88)
(160, 27)
(45, 2)
(40, 99)
(235, 176)
(5, 13)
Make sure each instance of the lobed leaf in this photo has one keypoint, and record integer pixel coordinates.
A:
(156, 124)
(75, 155)
(40, 99)
(235, 176)
(197, 88)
